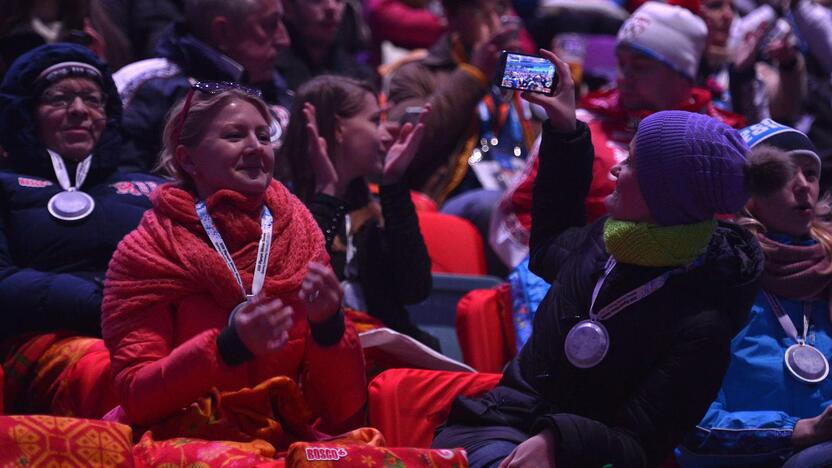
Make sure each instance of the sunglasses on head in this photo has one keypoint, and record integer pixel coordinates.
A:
(213, 88)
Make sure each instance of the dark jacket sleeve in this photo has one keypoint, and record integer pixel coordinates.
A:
(562, 184)
(672, 399)
(404, 247)
(37, 301)
(329, 213)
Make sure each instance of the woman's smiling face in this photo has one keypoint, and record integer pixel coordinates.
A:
(235, 152)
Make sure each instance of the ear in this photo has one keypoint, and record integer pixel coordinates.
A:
(185, 160)
(222, 34)
(97, 44)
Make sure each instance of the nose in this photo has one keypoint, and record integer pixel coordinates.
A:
(800, 182)
(385, 138)
(281, 36)
(77, 106)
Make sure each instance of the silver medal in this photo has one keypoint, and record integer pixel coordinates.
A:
(71, 205)
(806, 363)
(587, 344)
(234, 312)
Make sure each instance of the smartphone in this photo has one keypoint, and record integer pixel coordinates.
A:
(526, 73)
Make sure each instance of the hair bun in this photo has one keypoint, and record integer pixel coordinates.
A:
(767, 170)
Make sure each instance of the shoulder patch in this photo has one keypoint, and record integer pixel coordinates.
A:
(137, 188)
(33, 183)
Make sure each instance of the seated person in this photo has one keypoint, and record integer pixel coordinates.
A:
(631, 342)
(223, 284)
(658, 50)
(315, 46)
(65, 206)
(334, 142)
(223, 40)
(774, 405)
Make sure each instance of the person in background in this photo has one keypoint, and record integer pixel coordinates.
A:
(313, 26)
(737, 74)
(334, 142)
(225, 283)
(221, 40)
(64, 208)
(29, 24)
(144, 21)
(631, 342)
(774, 404)
(658, 51)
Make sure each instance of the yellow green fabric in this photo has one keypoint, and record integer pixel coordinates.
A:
(656, 246)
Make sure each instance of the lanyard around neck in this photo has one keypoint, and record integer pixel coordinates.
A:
(263, 248)
(786, 321)
(628, 299)
(63, 175)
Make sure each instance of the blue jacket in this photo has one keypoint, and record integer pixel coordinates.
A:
(760, 401)
(149, 88)
(51, 272)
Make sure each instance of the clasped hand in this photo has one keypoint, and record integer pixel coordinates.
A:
(263, 324)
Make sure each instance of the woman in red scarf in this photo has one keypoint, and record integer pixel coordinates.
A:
(223, 284)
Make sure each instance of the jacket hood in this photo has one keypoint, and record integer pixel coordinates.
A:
(18, 123)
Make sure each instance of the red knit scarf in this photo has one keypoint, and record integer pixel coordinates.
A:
(169, 256)
(795, 271)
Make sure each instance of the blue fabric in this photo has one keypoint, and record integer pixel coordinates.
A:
(52, 272)
(527, 292)
(760, 401)
(816, 456)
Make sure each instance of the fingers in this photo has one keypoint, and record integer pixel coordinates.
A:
(565, 80)
(507, 460)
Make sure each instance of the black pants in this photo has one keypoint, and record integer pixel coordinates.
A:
(487, 446)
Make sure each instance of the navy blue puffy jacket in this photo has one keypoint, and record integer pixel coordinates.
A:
(51, 272)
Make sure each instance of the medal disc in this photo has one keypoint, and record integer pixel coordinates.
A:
(807, 363)
(587, 344)
(234, 311)
(71, 205)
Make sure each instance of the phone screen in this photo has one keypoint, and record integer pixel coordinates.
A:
(527, 73)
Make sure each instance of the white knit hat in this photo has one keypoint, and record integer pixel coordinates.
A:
(670, 34)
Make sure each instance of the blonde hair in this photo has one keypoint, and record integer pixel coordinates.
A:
(820, 230)
(203, 109)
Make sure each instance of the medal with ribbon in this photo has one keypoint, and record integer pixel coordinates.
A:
(263, 250)
(71, 204)
(803, 360)
(588, 342)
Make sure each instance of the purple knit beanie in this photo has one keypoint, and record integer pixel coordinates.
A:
(689, 167)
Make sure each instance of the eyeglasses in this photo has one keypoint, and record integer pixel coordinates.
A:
(213, 88)
(62, 99)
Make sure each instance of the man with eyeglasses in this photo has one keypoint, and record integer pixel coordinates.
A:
(220, 40)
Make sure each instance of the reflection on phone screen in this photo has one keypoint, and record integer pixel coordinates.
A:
(528, 73)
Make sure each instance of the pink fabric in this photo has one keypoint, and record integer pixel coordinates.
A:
(796, 271)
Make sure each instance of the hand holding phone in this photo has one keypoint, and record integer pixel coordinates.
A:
(560, 104)
(532, 73)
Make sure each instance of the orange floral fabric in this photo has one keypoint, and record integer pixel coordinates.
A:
(63, 442)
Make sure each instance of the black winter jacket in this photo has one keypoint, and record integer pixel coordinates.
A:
(668, 352)
(52, 272)
(393, 262)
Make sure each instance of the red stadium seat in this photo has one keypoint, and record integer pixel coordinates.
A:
(407, 405)
(484, 328)
(454, 245)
